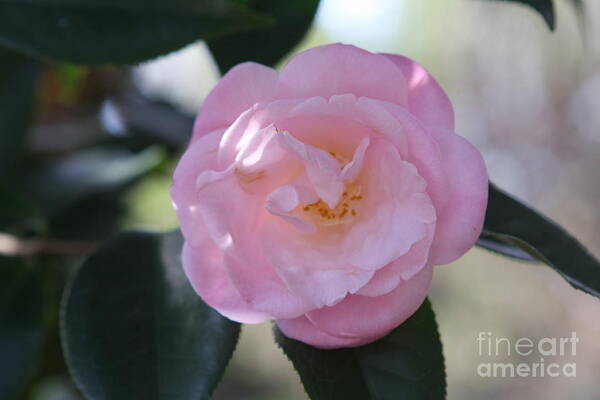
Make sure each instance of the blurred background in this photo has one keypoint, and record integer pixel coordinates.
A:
(526, 97)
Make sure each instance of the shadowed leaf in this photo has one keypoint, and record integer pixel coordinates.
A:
(406, 364)
(132, 326)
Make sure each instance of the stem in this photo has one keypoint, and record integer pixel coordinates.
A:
(11, 245)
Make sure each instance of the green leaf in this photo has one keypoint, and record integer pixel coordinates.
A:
(81, 193)
(544, 7)
(96, 32)
(21, 324)
(132, 326)
(406, 364)
(18, 214)
(18, 79)
(520, 228)
(266, 46)
(97, 170)
(490, 241)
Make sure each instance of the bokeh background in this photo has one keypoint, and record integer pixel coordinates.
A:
(529, 99)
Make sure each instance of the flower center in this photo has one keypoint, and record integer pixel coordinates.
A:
(345, 211)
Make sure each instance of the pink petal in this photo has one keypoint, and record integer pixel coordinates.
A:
(333, 124)
(461, 221)
(337, 69)
(389, 277)
(258, 284)
(424, 152)
(426, 98)
(323, 267)
(323, 287)
(259, 150)
(303, 330)
(283, 200)
(321, 168)
(256, 122)
(221, 213)
(374, 115)
(200, 155)
(351, 170)
(361, 317)
(230, 216)
(395, 213)
(204, 268)
(239, 89)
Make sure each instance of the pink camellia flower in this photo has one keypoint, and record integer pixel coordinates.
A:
(321, 196)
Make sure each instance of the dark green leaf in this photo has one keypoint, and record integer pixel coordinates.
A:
(93, 219)
(81, 194)
(492, 242)
(512, 223)
(18, 214)
(266, 46)
(544, 7)
(21, 324)
(18, 78)
(406, 364)
(117, 32)
(132, 326)
(154, 121)
(98, 170)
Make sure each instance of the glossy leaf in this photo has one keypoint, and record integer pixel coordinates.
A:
(117, 32)
(544, 7)
(492, 242)
(522, 229)
(18, 79)
(132, 326)
(406, 364)
(21, 324)
(266, 46)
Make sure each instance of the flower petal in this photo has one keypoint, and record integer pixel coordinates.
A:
(258, 284)
(426, 98)
(360, 316)
(395, 213)
(239, 89)
(322, 169)
(461, 221)
(284, 199)
(200, 155)
(302, 329)
(323, 267)
(204, 268)
(424, 152)
(351, 170)
(389, 277)
(230, 216)
(337, 69)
